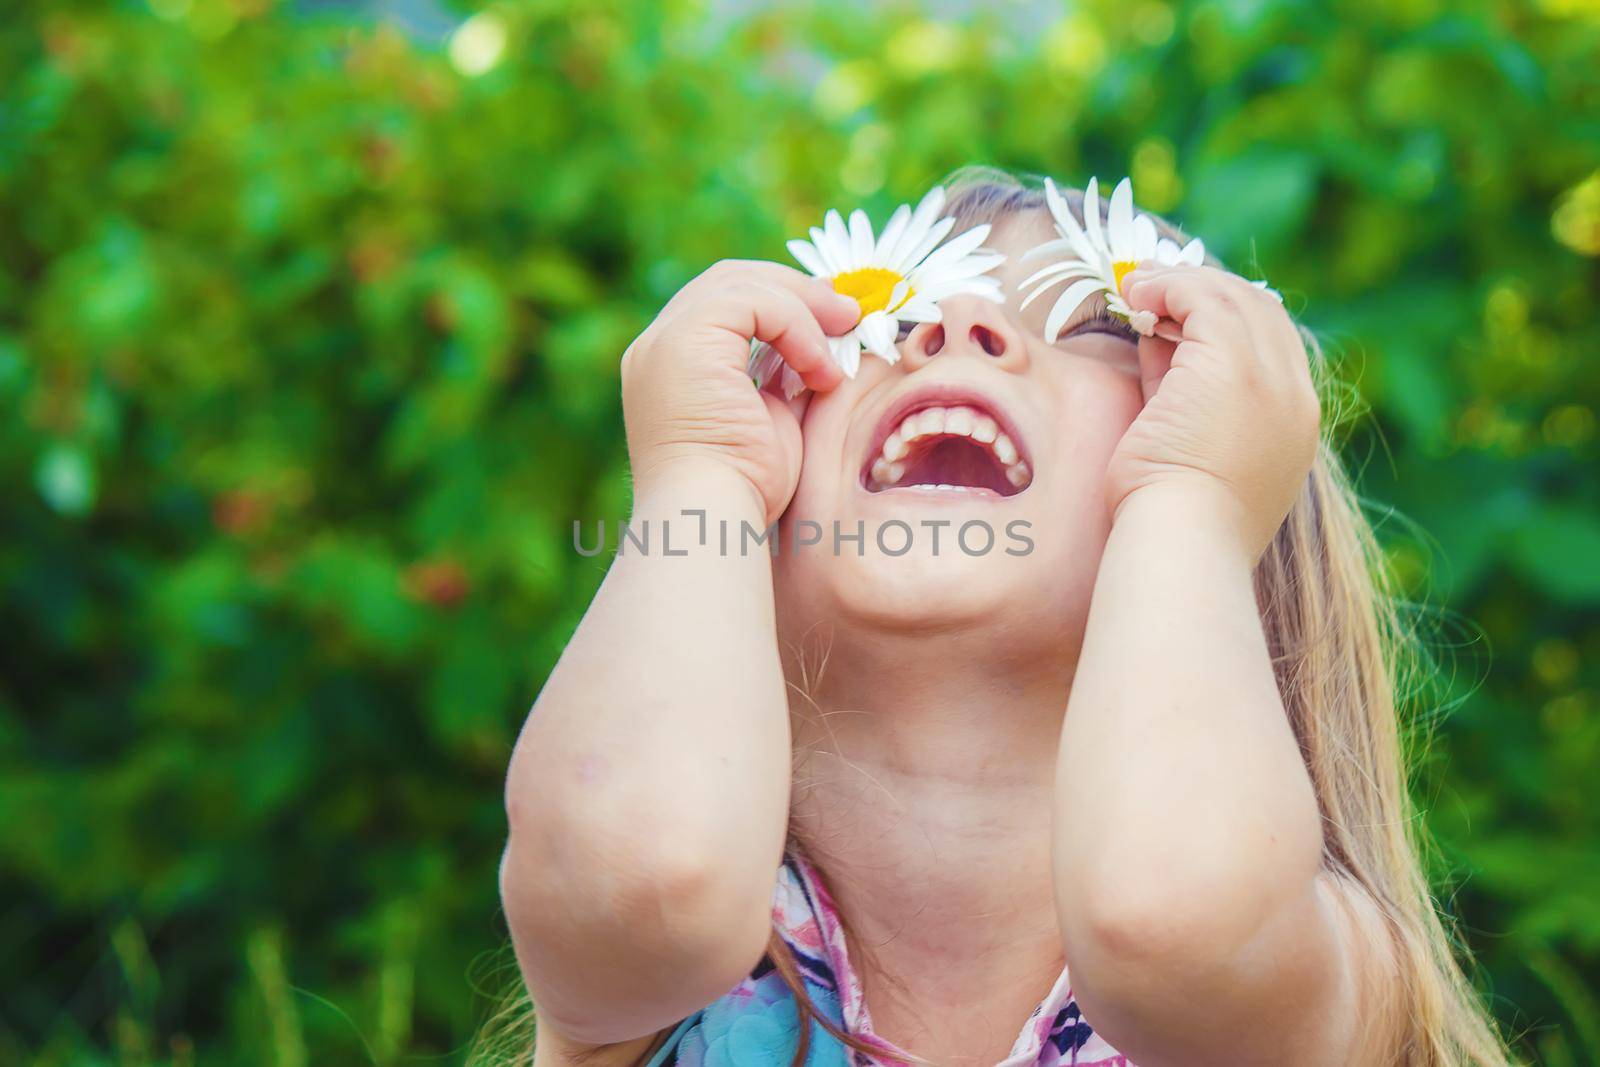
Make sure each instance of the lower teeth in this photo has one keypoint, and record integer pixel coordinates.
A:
(887, 475)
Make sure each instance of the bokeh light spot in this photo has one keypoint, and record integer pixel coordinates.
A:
(478, 44)
(1576, 222)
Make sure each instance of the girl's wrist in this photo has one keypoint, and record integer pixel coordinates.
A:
(693, 484)
(1181, 507)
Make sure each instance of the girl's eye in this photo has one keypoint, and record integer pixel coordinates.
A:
(1102, 321)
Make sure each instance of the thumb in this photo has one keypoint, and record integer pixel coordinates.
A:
(786, 416)
(1155, 359)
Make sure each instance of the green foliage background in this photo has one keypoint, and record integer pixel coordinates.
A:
(308, 344)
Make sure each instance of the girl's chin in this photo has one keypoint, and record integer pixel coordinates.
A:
(914, 589)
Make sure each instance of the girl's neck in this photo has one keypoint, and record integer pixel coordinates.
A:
(923, 787)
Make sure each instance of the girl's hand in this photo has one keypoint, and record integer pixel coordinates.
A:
(686, 396)
(1230, 407)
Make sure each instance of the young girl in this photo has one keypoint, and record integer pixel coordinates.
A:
(1118, 783)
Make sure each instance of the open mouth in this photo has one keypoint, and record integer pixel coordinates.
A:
(960, 447)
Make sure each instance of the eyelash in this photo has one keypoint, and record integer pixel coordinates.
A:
(1102, 321)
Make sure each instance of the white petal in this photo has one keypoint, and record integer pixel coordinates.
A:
(830, 256)
(989, 289)
(1145, 239)
(975, 262)
(916, 230)
(891, 233)
(1050, 248)
(1070, 301)
(1194, 253)
(970, 267)
(877, 332)
(807, 257)
(846, 352)
(930, 241)
(1069, 265)
(838, 241)
(986, 287)
(1084, 247)
(1091, 217)
(1118, 306)
(861, 243)
(1045, 285)
(1036, 294)
(1143, 322)
(764, 362)
(1067, 268)
(1067, 224)
(951, 252)
(1120, 220)
(1057, 203)
(918, 309)
(1090, 236)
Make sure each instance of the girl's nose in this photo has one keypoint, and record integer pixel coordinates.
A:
(973, 327)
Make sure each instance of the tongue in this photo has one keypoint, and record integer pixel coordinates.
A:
(957, 461)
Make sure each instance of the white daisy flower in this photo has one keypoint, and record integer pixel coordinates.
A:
(898, 277)
(1099, 256)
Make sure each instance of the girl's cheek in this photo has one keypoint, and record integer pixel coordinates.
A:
(1097, 405)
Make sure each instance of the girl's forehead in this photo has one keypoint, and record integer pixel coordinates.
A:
(1019, 231)
(1014, 235)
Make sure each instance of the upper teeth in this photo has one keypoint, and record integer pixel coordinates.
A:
(888, 469)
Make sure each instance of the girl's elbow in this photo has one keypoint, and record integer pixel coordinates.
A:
(1182, 924)
(607, 961)
(664, 903)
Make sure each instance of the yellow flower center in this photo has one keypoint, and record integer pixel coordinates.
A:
(1120, 271)
(871, 287)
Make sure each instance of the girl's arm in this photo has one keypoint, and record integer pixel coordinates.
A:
(1199, 924)
(648, 794)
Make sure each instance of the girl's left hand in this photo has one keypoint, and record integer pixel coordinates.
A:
(1230, 407)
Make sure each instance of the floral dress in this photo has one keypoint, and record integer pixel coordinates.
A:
(756, 1024)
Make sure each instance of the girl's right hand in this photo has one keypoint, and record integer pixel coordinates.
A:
(686, 394)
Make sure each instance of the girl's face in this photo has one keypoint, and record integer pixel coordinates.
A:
(955, 529)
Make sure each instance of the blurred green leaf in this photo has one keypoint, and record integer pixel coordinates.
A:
(1559, 550)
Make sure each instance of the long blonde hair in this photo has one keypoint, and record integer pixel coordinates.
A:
(1341, 650)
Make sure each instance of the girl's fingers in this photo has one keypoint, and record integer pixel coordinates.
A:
(797, 406)
(1176, 293)
(776, 315)
(834, 312)
(1155, 359)
(790, 437)
(1210, 306)
(773, 386)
